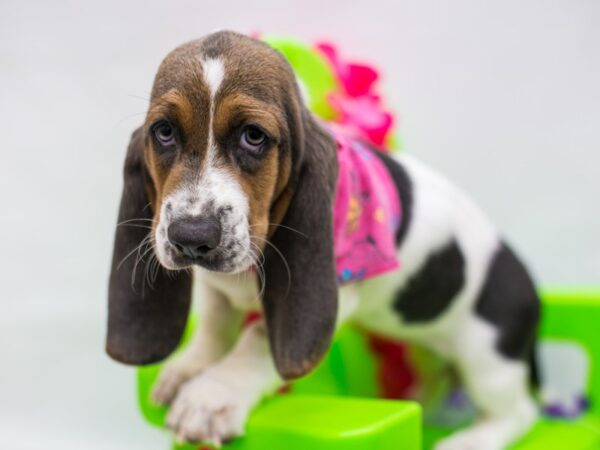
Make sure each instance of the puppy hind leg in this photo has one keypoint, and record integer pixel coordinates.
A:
(499, 388)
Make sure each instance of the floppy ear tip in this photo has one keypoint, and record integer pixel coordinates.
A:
(119, 351)
(116, 353)
(137, 360)
(291, 370)
(292, 366)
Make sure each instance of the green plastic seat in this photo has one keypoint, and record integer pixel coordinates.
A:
(332, 423)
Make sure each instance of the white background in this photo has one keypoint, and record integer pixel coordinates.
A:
(502, 96)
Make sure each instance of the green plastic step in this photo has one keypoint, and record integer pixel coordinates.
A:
(582, 433)
(329, 423)
(320, 423)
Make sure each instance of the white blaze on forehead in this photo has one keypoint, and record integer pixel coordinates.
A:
(213, 74)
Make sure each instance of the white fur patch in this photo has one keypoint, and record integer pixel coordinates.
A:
(214, 72)
(441, 212)
(214, 190)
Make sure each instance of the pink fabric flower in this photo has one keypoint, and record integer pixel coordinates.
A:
(359, 108)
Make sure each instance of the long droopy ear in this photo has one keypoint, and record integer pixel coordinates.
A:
(300, 293)
(145, 320)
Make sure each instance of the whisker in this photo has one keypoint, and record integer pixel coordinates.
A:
(152, 270)
(156, 269)
(278, 225)
(259, 269)
(138, 97)
(137, 248)
(146, 272)
(260, 252)
(135, 225)
(149, 266)
(261, 275)
(287, 267)
(135, 220)
(139, 259)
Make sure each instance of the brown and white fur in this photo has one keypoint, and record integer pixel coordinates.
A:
(196, 197)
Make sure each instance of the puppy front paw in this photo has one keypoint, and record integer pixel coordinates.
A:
(171, 377)
(210, 408)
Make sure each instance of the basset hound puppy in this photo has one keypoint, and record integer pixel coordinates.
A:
(233, 184)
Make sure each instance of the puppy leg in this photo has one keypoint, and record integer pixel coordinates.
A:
(498, 386)
(214, 405)
(219, 324)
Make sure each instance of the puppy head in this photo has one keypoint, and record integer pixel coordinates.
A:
(231, 165)
(223, 114)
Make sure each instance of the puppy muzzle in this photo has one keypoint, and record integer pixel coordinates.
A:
(196, 238)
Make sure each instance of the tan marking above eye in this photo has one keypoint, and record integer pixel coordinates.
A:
(175, 105)
(242, 108)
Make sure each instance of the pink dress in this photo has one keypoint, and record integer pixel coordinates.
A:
(367, 212)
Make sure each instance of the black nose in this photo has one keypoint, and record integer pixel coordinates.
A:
(195, 237)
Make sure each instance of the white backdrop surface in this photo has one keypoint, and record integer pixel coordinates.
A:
(503, 97)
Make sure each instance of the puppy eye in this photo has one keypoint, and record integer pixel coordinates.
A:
(164, 134)
(253, 140)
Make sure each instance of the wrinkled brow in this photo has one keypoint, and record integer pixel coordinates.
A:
(172, 105)
(250, 108)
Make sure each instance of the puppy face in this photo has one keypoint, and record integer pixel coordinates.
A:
(217, 148)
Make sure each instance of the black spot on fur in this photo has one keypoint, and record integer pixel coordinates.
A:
(404, 187)
(430, 291)
(510, 302)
